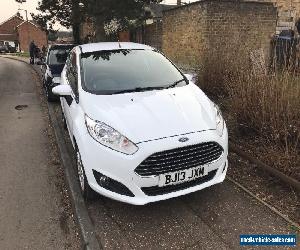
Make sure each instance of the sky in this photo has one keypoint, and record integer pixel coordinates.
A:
(10, 7)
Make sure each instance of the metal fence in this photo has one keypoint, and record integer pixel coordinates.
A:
(286, 52)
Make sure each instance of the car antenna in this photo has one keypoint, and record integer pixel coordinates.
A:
(119, 44)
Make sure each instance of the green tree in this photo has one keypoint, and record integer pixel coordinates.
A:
(65, 12)
(71, 13)
(122, 12)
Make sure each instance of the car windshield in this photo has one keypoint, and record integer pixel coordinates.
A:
(119, 71)
(58, 56)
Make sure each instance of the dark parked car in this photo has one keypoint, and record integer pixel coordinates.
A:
(3, 49)
(11, 49)
(52, 67)
(6, 48)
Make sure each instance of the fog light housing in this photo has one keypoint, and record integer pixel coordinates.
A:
(103, 180)
(111, 185)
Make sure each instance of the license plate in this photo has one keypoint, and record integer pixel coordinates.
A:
(186, 175)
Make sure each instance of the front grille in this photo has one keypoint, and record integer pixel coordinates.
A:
(156, 190)
(180, 158)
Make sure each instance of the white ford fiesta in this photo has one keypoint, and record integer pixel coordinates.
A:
(141, 130)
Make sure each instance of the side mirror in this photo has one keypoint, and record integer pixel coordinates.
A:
(191, 77)
(62, 90)
(40, 63)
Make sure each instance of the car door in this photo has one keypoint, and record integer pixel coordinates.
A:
(70, 103)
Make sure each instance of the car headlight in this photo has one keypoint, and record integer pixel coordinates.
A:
(109, 137)
(219, 120)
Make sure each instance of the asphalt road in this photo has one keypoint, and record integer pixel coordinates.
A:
(33, 213)
(209, 219)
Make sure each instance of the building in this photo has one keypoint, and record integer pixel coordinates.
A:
(288, 13)
(155, 12)
(19, 33)
(8, 33)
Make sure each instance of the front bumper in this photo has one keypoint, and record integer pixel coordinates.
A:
(120, 167)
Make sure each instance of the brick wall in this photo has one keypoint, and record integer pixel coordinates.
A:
(153, 35)
(28, 32)
(196, 31)
(288, 13)
(124, 36)
(8, 27)
(292, 6)
(185, 34)
(150, 34)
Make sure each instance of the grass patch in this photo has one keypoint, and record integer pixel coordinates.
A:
(24, 54)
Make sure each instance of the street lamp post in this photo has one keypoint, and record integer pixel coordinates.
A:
(25, 13)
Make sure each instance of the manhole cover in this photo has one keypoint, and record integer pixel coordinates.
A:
(21, 107)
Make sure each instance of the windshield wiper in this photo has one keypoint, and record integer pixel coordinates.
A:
(173, 85)
(142, 89)
(138, 89)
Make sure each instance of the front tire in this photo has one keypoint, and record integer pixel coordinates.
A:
(64, 121)
(87, 193)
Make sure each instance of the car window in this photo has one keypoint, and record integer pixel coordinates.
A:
(113, 71)
(72, 74)
(58, 56)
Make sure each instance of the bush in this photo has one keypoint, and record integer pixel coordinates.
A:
(265, 104)
(269, 106)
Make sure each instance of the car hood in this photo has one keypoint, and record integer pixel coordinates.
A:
(145, 116)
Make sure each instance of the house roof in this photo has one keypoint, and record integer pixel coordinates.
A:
(157, 9)
(30, 22)
(16, 15)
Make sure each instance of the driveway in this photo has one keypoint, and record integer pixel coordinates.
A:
(34, 210)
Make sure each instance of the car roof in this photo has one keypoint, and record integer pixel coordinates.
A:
(92, 47)
(57, 46)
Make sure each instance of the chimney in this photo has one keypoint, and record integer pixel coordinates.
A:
(178, 2)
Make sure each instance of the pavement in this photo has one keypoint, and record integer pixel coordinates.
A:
(209, 219)
(34, 211)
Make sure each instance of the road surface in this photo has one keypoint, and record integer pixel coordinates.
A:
(34, 213)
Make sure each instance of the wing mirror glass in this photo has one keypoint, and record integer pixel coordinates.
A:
(191, 77)
(62, 90)
(41, 62)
